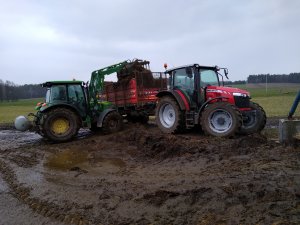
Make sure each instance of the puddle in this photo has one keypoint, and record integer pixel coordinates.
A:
(12, 139)
(113, 161)
(69, 159)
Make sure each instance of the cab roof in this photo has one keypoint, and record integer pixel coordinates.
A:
(191, 65)
(51, 83)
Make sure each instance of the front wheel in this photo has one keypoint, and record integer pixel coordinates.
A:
(168, 116)
(221, 119)
(255, 120)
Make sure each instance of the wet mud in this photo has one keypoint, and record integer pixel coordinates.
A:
(141, 176)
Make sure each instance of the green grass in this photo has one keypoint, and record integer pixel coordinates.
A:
(10, 110)
(260, 90)
(276, 100)
(278, 106)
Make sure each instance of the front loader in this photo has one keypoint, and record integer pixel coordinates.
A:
(71, 105)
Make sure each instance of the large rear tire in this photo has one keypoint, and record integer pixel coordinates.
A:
(254, 123)
(60, 124)
(112, 122)
(168, 116)
(221, 119)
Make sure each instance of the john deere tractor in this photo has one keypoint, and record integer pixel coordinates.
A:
(71, 105)
(197, 97)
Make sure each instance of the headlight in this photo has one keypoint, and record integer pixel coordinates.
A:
(239, 94)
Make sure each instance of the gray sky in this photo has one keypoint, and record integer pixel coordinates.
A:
(64, 39)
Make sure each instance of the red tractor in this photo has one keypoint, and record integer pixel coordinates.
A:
(195, 97)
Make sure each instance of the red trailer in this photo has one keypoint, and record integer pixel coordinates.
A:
(134, 94)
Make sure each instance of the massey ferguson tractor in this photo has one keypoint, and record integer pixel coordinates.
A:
(195, 97)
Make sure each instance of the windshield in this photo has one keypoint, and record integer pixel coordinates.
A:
(56, 93)
(208, 78)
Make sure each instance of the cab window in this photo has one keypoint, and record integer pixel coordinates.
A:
(208, 78)
(58, 93)
(184, 79)
(75, 93)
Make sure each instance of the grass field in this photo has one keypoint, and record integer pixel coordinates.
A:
(10, 110)
(276, 101)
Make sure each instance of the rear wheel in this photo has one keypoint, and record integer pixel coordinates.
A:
(221, 119)
(169, 117)
(112, 122)
(254, 122)
(60, 124)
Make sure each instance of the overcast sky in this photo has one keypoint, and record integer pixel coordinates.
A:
(61, 39)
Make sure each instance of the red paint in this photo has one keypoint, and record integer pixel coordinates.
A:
(185, 101)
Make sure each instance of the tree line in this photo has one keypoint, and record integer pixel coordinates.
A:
(274, 78)
(9, 91)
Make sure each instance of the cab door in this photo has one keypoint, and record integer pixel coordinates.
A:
(77, 99)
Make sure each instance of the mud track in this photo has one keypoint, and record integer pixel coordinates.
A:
(140, 176)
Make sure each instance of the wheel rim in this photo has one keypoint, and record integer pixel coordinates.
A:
(60, 126)
(167, 115)
(220, 121)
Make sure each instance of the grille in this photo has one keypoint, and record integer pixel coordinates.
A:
(241, 102)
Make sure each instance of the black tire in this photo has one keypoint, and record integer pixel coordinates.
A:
(60, 124)
(143, 117)
(168, 116)
(254, 122)
(112, 122)
(221, 119)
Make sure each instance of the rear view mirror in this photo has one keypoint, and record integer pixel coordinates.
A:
(189, 72)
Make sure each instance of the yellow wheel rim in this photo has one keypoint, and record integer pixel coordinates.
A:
(60, 126)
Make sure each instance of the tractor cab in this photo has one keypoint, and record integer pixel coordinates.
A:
(193, 80)
(68, 93)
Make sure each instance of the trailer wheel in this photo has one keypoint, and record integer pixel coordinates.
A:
(221, 119)
(60, 124)
(255, 122)
(168, 116)
(143, 117)
(112, 122)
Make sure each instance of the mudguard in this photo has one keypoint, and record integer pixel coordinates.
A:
(102, 116)
(179, 96)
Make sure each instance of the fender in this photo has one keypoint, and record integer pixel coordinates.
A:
(207, 102)
(102, 116)
(182, 100)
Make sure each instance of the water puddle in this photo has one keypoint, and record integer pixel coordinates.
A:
(72, 159)
(12, 139)
(66, 160)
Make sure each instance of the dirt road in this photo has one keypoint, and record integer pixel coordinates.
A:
(140, 176)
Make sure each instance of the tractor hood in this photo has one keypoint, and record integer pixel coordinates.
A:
(221, 90)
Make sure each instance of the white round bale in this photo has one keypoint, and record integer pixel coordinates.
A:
(22, 123)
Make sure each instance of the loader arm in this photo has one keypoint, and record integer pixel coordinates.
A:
(97, 80)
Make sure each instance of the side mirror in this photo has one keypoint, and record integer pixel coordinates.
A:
(226, 72)
(189, 72)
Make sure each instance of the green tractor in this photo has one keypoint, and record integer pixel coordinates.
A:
(71, 105)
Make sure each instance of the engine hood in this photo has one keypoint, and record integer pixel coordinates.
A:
(228, 91)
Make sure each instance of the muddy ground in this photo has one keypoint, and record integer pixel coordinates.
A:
(141, 176)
